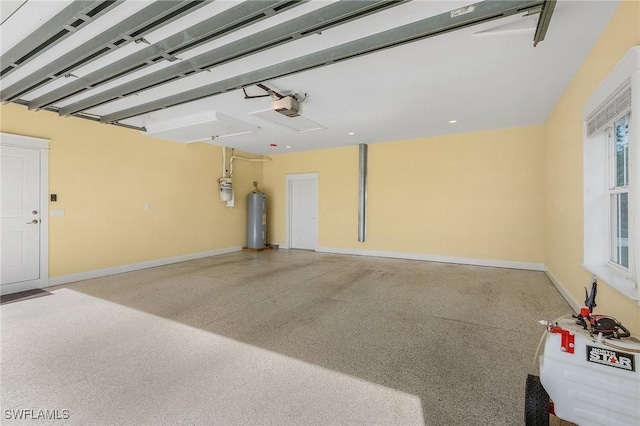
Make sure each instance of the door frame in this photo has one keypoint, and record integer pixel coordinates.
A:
(289, 186)
(27, 142)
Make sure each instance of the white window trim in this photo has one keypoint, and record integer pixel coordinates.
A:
(596, 243)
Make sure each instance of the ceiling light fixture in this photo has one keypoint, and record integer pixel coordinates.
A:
(352, 133)
(453, 121)
(289, 146)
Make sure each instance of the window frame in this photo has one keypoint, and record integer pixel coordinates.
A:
(599, 179)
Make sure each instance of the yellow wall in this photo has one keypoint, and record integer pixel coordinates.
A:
(104, 176)
(564, 171)
(477, 195)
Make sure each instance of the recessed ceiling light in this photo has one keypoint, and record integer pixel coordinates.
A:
(453, 121)
(352, 133)
(288, 146)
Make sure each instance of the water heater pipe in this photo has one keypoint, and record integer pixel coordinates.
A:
(236, 157)
(226, 191)
(224, 161)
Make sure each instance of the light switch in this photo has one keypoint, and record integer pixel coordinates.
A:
(57, 212)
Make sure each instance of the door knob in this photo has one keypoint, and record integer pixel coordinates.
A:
(33, 222)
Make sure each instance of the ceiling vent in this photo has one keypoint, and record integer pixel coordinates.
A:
(288, 106)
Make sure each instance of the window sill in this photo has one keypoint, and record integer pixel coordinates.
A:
(615, 279)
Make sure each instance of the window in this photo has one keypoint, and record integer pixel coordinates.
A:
(618, 136)
(611, 148)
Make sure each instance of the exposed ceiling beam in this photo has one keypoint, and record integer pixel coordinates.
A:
(460, 18)
(84, 116)
(152, 17)
(52, 32)
(543, 21)
(310, 23)
(217, 26)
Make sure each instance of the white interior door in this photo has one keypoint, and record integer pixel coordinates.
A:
(303, 201)
(20, 215)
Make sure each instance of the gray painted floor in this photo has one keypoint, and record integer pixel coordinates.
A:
(280, 337)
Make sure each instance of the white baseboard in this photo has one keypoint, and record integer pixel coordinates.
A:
(435, 258)
(64, 279)
(563, 291)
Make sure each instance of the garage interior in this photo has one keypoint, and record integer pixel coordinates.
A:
(422, 166)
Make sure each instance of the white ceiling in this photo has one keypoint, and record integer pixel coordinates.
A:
(495, 79)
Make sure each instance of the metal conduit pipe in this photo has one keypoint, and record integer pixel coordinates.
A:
(362, 191)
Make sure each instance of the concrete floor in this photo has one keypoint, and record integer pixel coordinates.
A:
(281, 337)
